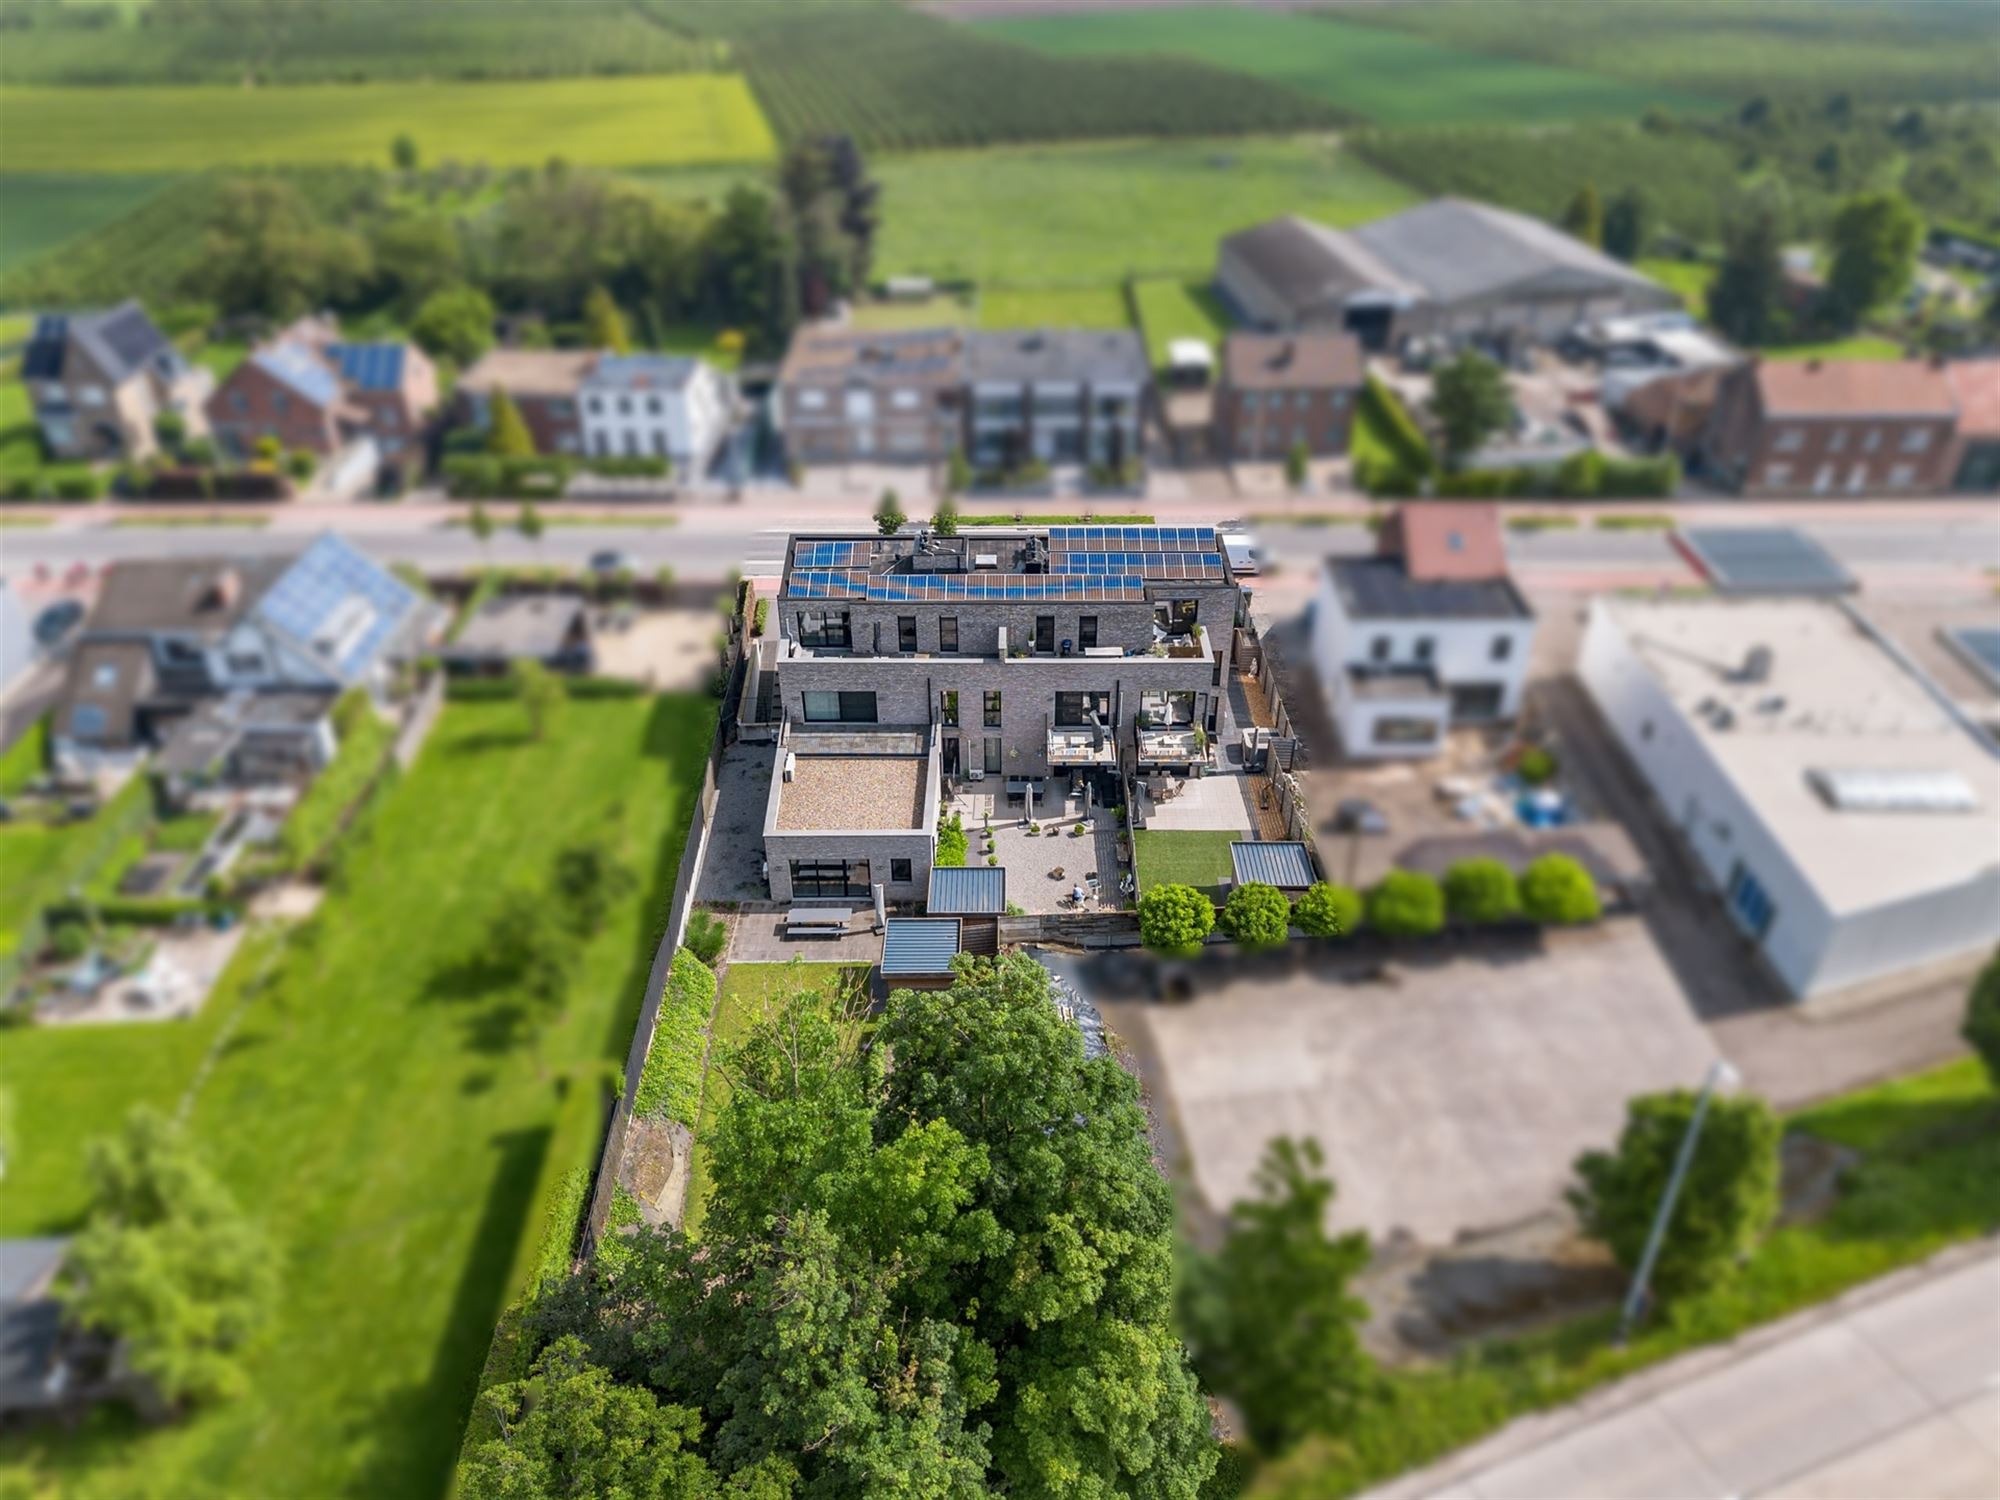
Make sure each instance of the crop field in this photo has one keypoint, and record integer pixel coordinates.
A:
(1385, 76)
(895, 78)
(1089, 214)
(689, 117)
(349, 42)
(368, 1101)
(1883, 50)
(43, 211)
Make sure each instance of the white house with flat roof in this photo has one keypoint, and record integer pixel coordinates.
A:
(1845, 810)
(654, 406)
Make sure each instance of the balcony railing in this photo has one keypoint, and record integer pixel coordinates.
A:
(1174, 745)
(1082, 747)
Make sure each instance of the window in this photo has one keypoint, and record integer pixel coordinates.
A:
(861, 406)
(280, 403)
(653, 405)
(1074, 710)
(948, 707)
(1646, 731)
(825, 628)
(1302, 400)
(1164, 709)
(248, 662)
(900, 872)
(825, 878)
(1749, 902)
(1426, 648)
(1502, 648)
(1338, 399)
(1045, 632)
(86, 721)
(1789, 440)
(1837, 442)
(808, 401)
(1901, 476)
(948, 635)
(1086, 632)
(1916, 439)
(631, 443)
(600, 444)
(906, 632)
(1405, 731)
(562, 411)
(839, 708)
(659, 443)
(904, 400)
(1871, 440)
(992, 762)
(1379, 648)
(1250, 401)
(91, 395)
(992, 709)
(1176, 616)
(624, 406)
(1777, 474)
(595, 405)
(106, 675)
(238, 402)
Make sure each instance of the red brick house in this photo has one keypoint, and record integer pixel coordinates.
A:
(1833, 427)
(544, 386)
(310, 390)
(1278, 390)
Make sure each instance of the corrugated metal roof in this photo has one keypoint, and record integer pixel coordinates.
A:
(1285, 865)
(971, 891)
(919, 945)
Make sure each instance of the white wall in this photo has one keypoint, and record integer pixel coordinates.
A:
(689, 425)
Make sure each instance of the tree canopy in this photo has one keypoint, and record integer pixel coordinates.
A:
(457, 323)
(1324, 910)
(1406, 903)
(1584, 217)
(1557, 890)
(1173, 919)
(1471, 402)
(603, 322)
(1257, 916)
(1874, 240)
(507, 434)
(1982, 1017)
(1744, 297)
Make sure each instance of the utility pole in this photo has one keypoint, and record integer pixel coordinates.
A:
(1720, 1075)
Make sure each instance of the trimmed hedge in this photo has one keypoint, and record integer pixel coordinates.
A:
(561, 1224)
(485, 476)
(145, 911)
(1582, 476)
(506, 689)
(670, 1083)
(1409, 461)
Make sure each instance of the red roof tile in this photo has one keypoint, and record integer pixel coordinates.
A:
(1445, 539)
(1976, 384)
(1854, 388)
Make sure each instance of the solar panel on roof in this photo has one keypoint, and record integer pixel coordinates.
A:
(338, 603)
(1979, 647)
(1763, 560)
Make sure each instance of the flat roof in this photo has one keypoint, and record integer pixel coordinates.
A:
(1281, 863)
(919, 945)
(1032, 564)
(531, 625)
(1762, 560)
(968, 890)
(1834, 700)
(853, 792)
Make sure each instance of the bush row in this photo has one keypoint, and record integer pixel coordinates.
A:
(482, 476)
(504, 689)
(670, 1083)
(1583, 476)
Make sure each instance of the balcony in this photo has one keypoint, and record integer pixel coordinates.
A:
(1082, 747)
(1173, 746)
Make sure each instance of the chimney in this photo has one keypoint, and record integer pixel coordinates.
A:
(221, 591)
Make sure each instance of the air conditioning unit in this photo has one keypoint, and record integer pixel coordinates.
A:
(978, 773)
(791, 765)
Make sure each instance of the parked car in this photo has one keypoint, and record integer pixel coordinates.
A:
(605, 564)
(57, 621)
(1358, 815)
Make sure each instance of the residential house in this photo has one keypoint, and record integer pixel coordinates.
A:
(49, 1367)
(168, 635)
(312, 390)
(1427, 634)
(1055, 396)
(1831, 793)
(654, 406)
(1975, 461)
(544, 385)
(1285, 390)
(394, 387)
(898, 664)
(1450, 270)
(847, 396)
(1819, 427)
(100, 380)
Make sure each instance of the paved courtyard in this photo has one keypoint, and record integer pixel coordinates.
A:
(1451, 1095)
(1033, 860)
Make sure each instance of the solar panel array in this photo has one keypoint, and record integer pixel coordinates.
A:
(372, 367)
(327, 574)
(832, 554)
(1766, 560)
(1161, 565)
(1149, 538)
(1085, 562)
(897, 588)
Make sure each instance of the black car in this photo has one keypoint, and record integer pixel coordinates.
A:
(1357, 815)
(57, 621)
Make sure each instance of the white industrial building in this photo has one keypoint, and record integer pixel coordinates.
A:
(1427, 633)
(1845, 811)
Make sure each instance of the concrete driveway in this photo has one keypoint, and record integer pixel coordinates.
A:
(1452, 1096)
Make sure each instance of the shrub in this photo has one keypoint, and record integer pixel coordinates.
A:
(1173, 919)
(1537, 767)
(706, 935)
(69, 941)
(1328, 911)
(1481, 890)
(670, 1082)
(1728, 1201)
(1558, 891)
(1982, 1017)
(301, 464)
(79, 484)
(951, 844)
(762, 618)
(1406, 903)
(1257, 916)
(1398, 430)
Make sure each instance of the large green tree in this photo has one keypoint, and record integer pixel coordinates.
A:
(457, 323)
(604, 323)
(1728, 1201)
(1744, 296)
(1627, 225)
(507, 434)
(1874, 240)
(1470, 399)
(167, 1263)
(265, 250)
(1584, 217)
(1270, 1315)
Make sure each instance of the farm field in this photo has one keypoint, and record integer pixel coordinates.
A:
(1385, 76)
(1088, 215)
(43, 211)
(682, 118)
(1169, 309)
(370, 1106)
(1807, 49)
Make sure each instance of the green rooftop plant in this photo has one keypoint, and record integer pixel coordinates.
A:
(1481, 890)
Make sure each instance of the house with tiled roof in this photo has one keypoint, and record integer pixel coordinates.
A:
(1833, 427)
(310, 389)
(99, 380)
(1975, 386)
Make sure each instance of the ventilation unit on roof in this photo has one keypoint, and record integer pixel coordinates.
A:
(1894, 791)
(1756, 665)
(986, 559)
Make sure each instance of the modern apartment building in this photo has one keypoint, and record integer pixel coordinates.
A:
(1055, 396)
(918, 661)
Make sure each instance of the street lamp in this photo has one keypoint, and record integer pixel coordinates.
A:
(1720, 1075)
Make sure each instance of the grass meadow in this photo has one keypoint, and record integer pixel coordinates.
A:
(1388, 77)
(44, 210)
(1168, 308)
(364, 1087)
(681, 118)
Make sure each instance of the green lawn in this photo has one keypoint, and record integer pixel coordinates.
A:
(1859, 346)
(1930, 1178)
(1386, 76)
(748, 993)
(1055, 307)
(1172, 309)
(45, 209)
(1688, 278)
(688, 117)
(25, 759)
(372, 1109)
(1185, 856)
(1087, 215)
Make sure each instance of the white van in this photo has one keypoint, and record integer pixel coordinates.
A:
(1241, 549)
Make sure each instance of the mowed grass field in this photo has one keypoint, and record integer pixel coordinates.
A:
(369, 1108)
(1169, 309)
(1390, 77)
(1087, 215)
(39, 211)
(688, 118)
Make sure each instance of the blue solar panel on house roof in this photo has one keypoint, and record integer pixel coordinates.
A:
(338, 605)
(370, 367)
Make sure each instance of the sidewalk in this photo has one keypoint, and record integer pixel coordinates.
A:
(1892, 1390)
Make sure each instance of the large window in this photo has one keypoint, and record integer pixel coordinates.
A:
(900, 872)
(1164, 709)
(1045, 632)
(993, 710)
(906, 632)
(1402, 731)
(840, 708)
(948, 634)
(825, 628)
(823, 878)
(1177, 616)
(1074, 710)
(992, 763)
(948, 707)
(1086, 632)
